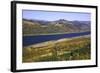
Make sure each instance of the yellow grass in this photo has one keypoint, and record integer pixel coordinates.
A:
(63, 49)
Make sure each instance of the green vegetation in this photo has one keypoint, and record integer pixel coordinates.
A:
(73, 49)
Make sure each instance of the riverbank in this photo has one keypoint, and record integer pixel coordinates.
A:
(30, 40)
(53, 33)
(77, 48)
(56, 41)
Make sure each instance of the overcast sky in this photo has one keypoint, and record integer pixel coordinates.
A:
(52, 16)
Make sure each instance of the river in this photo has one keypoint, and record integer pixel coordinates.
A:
(29, 40)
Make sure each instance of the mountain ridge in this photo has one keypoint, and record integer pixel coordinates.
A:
(57, 26)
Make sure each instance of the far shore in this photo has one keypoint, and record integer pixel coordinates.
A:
(53, 33)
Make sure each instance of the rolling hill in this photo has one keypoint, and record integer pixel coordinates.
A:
(36, 27)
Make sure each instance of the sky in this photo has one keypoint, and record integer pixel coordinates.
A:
(52, 15)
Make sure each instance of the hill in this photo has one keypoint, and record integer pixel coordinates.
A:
(36, 27)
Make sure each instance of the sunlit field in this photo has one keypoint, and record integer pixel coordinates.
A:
(59, 50)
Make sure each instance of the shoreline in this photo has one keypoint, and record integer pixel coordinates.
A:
(53, 33)
(55, 41)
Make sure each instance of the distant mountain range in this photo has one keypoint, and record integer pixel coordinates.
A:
(36, 27)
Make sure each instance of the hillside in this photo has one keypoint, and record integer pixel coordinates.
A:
(36, 27)
(60, 50)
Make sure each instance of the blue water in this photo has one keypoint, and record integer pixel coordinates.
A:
(29, 40)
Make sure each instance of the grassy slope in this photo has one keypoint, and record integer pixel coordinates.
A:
(73, 49)
(35, 28)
